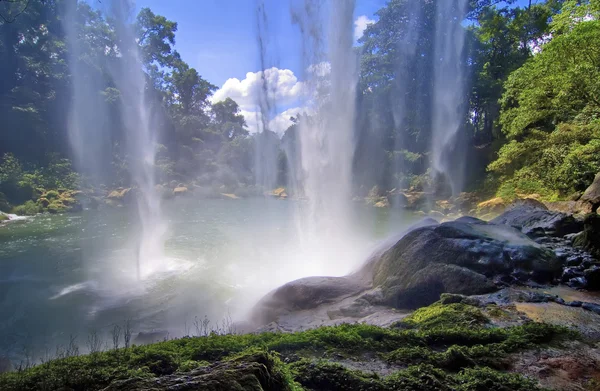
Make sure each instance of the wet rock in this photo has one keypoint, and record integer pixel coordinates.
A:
(577, 282)
(302, 294)
(570, 273)
(589, 239)
(591, 307)
(574, 303)
(592, 276)
(574, 260)
(179, 191)
(458, 257)
(397, 199)
(534, 219)
(591, 195)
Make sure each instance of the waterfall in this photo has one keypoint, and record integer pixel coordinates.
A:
(449, 90)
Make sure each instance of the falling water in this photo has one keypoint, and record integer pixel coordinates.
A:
(141, 136)
(327, 138)
(89, 129)
(266, 141)
(449, 88)
(87, 122)
(407, 47)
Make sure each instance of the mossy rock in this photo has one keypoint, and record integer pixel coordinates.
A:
(253, 372)
(3, 217)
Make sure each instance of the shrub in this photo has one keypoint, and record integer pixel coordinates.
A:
(29, 208)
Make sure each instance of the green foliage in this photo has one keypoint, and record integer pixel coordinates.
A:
(549, 164)
(29, 208)
(556, 85)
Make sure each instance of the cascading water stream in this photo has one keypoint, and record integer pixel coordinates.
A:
(89, 129)
(141, 144)
(449, 90)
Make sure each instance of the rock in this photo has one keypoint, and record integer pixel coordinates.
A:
(415, 199)
(574, 260)
(230, 196)
(179, 191)
(397, 199)
(121, 195)
(302, 294)
(591, 195)
(494, 205)
(534, 219)
(375, 192)
(591, 307)
(570, 273)
(589, 239)
(252, 372)
(457, 257)
(592, 276)
(574, 303)
(278, 193)
(569, 207)
(464, 202)
(383, 203)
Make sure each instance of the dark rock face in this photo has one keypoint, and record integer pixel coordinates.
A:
(589, 239)
(463, 256)
(253, 373)
(591, 195)
(534, 219)
(305, 293)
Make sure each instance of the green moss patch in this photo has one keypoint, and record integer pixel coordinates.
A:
(440, 347)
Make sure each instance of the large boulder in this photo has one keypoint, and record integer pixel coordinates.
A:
(589, 239)
(465, 256)
(305, 293)
(534, 219)
(591, 195)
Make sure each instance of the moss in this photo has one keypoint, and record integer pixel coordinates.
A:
(440, 315)
(3, 217)
(323, 375)
(446, 347)
(485, 379)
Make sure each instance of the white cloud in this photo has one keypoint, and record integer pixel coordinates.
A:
(284, 90)
(283, 86)
(360, 24)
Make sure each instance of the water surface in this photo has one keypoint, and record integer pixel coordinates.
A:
(68, 275)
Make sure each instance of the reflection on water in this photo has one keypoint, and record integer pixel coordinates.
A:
(70, 274)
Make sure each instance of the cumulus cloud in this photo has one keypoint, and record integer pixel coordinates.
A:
(284, 90)
(360, 24)
(283, 86)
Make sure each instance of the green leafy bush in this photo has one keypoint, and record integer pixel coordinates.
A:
(29, 208)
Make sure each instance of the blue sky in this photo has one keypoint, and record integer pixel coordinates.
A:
(219, 39)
